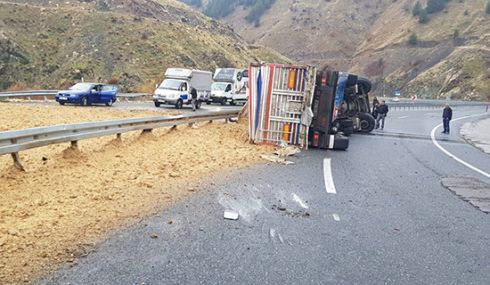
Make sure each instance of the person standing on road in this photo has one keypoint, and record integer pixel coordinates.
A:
(194, 98)
(375, 107)
(447, 116)
(382, 111)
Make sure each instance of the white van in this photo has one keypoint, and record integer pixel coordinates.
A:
(229, 86)
(176, 87)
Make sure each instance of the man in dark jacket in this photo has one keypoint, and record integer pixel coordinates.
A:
(375, 106)
(194, 98)
(382, 111)
(447, 116)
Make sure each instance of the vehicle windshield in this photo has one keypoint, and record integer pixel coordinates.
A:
(171, 84)
(218, 86)
(81, 86)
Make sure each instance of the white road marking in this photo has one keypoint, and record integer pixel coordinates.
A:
(336, 217)
(327, 174)
(403, 117)
(434, 141)
(297, 199)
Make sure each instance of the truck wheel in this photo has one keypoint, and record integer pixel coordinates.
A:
(84, 101)
(157, 104)
(233, 103)
(223, 102)
(179, 104)
(208, 102)
(366, 122)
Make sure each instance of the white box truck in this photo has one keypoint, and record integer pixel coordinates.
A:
(230, 85)
(175, 89)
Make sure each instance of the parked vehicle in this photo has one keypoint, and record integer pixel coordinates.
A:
(229, 86)
(175, 88)
(87, 94)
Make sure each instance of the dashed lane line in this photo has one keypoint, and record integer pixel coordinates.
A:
(327, 175)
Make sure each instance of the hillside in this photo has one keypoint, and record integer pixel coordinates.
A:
(449, 58)
(51, 44)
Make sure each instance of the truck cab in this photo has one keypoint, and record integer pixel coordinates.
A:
(175, 89)
(229, 86)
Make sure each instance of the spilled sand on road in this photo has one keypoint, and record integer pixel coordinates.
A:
(67, 200)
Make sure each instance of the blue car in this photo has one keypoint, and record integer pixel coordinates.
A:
(86, 94)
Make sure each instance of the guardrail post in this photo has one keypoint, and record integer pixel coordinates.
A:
(145, 131)
(118, 137)
(17, 164)
(74, 144)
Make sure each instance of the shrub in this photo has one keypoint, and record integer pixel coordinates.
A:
(456, 34)
(434, 6)
(416, 9)
(412, 39)
(423, 16)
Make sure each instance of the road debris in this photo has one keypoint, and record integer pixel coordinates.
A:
(231, 215)
(153, 236)
(281, 153)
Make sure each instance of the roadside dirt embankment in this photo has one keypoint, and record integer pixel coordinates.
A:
(478, 133)
(68, 200)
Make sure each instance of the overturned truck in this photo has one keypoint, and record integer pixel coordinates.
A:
(300, 106)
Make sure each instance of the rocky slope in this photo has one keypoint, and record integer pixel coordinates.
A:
(449, 59)
(51, 44)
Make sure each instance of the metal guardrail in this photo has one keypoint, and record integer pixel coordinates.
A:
(432, 104)
(51, 93)
(12, 142)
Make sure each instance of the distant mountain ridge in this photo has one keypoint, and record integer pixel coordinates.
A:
(447, 56)
(51, 44)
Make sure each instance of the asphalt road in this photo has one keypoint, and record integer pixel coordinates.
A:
(389, 221)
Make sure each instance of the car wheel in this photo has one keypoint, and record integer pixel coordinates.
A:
(61, 103)
(84, 101)
(208, 102)
(157, 104)
(179, 104)
(366, 122)
(108, 104)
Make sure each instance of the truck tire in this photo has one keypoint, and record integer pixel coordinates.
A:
(157, 104)
(208, 102)
(233, 103)
(223, 102)
(179, 104)
(366, 122)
